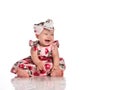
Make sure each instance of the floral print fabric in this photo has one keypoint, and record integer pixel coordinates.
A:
(44, 54)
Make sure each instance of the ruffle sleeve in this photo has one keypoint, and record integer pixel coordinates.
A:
(34, 44)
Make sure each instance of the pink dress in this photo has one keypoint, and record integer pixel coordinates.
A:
(44, 54)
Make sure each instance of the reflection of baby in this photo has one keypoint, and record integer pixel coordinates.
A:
(42, 83)
(44, 59)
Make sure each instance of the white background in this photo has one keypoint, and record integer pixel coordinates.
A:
(88, 32)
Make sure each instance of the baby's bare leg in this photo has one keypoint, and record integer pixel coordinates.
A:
(22, 73)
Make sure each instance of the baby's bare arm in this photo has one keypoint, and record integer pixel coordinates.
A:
(56, 71)
(36, 60)
(55, 54)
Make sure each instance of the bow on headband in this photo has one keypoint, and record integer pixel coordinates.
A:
(48, 24)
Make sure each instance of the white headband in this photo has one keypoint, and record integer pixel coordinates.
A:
(48, 24)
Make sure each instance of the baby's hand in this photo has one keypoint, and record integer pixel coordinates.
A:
(55, 68)
(56, 72)
(40, 66)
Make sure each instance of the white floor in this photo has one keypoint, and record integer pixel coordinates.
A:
(36, 83)
(44, 83)
(86, 79)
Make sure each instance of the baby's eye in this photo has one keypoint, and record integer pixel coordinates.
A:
(52, 34)
(45, 33)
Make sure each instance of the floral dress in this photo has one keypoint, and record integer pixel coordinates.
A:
(44, 54)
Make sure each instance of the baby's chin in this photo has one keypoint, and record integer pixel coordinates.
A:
(48, 43)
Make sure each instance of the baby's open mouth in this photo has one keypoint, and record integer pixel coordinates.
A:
(47, 41)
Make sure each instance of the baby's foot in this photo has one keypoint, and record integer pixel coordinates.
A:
(57, 73)
(22, 73)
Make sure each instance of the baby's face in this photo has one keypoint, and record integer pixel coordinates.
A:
(46, 37)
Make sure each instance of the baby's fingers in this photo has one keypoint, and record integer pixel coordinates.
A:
(52, 69)
(40, 67)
